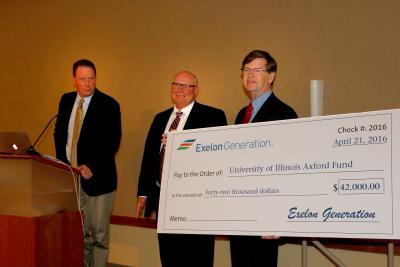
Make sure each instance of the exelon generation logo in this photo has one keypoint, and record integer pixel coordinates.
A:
(227, 145)
(186, 144)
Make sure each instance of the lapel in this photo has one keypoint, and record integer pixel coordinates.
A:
(90, 116)
(163, 119)
(191, 120)
(69, 104)
(266, 111)
(91, 108)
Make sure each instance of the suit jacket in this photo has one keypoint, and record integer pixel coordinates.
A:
(253, 251)
(273, 109)
(201, 116)
(98, 141)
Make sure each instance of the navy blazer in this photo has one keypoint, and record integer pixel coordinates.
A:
(273, 109)
(263, 252)
(200, 116)
(98, 141)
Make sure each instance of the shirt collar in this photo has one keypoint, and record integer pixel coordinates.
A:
(259, 101)
(86, 98)
(185, 110)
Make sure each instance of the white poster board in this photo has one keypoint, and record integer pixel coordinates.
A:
(329, 176)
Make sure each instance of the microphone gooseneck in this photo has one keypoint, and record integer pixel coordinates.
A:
(31, 150)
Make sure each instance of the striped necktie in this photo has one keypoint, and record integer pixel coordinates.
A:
(173, 127)
(76, 133)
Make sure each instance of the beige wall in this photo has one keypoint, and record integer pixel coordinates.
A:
(138, 45)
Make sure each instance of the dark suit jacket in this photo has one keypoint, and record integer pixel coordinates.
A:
(273, 109)
(249, 251)
(98, 141)
(201, 116)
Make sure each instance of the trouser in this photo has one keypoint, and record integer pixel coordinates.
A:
(97, 212)
(180, 250)
(252, 251)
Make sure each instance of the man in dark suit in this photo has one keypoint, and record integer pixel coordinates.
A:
(258, 75)
(87, 136)
(176, 250)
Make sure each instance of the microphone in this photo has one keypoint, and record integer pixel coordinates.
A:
(31, 150)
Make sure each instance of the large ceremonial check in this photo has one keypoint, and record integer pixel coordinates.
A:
(329, 176)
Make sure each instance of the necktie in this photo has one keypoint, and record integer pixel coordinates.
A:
(247, 115)
(76, 133)
(173, 126)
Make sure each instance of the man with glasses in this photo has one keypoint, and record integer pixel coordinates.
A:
(176, 250)
(258, 75)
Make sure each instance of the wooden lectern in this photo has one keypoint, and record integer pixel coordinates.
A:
(40, 224)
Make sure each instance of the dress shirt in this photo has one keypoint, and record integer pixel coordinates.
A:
(185, 114)
(72, 121)
(258, 102)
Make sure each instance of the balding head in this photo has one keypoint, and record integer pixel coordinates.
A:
(184, 89)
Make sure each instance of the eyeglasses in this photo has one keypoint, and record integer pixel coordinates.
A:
(255, 70)
(182, 85)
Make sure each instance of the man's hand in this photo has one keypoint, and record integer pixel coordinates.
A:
(85, 171)
(140, 204)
